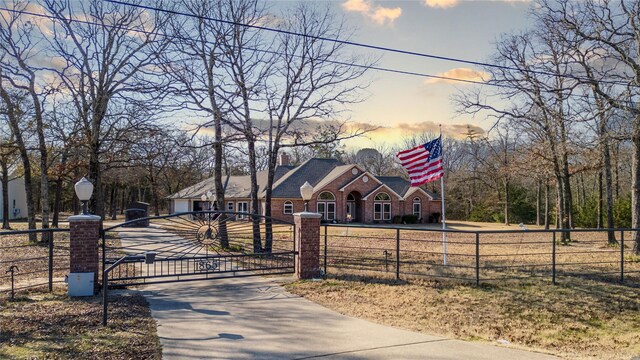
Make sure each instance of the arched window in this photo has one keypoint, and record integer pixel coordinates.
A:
(326, 196)
(326, 205)
(382, 207)
(417, 207)
(288, 207)
(350, 197)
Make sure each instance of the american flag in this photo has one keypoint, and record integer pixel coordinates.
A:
(423, 163)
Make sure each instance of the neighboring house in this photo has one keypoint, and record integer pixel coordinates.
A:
(17, 197)
(341, 193)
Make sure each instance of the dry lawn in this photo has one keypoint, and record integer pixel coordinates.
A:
(589, 320)
(521, 255)
(53, 326)
(32, 258)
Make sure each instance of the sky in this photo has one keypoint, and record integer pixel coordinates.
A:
(402, 105)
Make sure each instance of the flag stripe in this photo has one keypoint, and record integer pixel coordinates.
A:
(423, 163)
(428, 167)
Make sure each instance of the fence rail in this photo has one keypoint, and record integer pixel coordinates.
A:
(480, 256)
(33, 258)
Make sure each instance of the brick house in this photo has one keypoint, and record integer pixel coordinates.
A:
(341, 193)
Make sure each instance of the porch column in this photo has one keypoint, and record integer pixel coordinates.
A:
(307, 245)
(84, 235)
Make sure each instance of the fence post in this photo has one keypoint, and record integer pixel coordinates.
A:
(50, 238)
(84, 235)
(397, 254)
(325, 250)
(307, 244)
(477, 258)
(553, 258)
(622, 256)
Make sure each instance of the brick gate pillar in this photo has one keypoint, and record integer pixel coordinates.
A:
(307, 244)
(84, 236)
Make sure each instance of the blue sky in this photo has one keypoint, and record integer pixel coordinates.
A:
(460, 29)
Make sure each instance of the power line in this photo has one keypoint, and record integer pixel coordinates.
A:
(376, 68)
(357, 44)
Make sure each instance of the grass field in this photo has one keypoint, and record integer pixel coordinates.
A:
(52, 326)
(590, 320)
(32, 258)
(501, 256)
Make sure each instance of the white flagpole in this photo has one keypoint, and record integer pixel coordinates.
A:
(444, 222)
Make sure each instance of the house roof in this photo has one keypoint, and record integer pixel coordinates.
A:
(396, 183)
(236, 186)
(313, 170)
(331, 176)
(288, 180)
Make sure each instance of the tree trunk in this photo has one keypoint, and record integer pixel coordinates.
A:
(95, 176)
(255, 206)
(5, 195)
(608, 186)
(538, 202)
(57, 201)
(271, 171)
(600, 201)
(217, 174)
(506, 202)
(546, 205)
(635, 189)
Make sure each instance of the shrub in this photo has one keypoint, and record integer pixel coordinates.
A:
(409, 219)
(397, 219)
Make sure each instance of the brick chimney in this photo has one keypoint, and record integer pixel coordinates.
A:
(283, 159)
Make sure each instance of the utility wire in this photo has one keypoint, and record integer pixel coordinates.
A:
(173, 36)
(358, 44)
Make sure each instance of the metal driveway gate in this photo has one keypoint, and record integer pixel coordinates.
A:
(196, 246)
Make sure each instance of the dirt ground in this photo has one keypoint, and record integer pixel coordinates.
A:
(53, 326)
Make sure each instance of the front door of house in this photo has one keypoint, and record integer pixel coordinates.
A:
(351, 211)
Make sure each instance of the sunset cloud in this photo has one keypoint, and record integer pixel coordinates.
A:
(460, 73)
(394, 135)
(379, 14)
(444, 4)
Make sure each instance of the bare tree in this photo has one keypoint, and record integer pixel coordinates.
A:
(532, 81)
(7, 160)
(312, 79)
(110, 55)
(19, 46)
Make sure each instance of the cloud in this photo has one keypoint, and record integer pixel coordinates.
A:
(460, 73)
(395, 134)
(444, 4)
(379, 14)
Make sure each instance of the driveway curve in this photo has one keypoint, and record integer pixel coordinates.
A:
(255, 318)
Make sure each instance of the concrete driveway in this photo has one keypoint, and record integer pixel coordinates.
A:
(255, 318)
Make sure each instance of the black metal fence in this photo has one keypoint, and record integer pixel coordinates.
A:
(480, 256)
(33, 258)
(195, 246)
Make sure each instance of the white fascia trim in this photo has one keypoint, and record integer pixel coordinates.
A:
(337, 176)
(378, 188)
(414, 190)
(358, 177)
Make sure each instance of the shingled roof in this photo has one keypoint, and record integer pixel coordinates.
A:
(288, 180)
(236, 186)
(312, 170)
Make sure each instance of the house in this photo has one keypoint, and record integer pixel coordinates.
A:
(341, 193)
(17, 197)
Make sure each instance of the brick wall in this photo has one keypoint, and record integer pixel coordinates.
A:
(83, 245)
(307, 245)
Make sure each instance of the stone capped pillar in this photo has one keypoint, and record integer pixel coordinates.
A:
(84, 238)
(307, 244)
